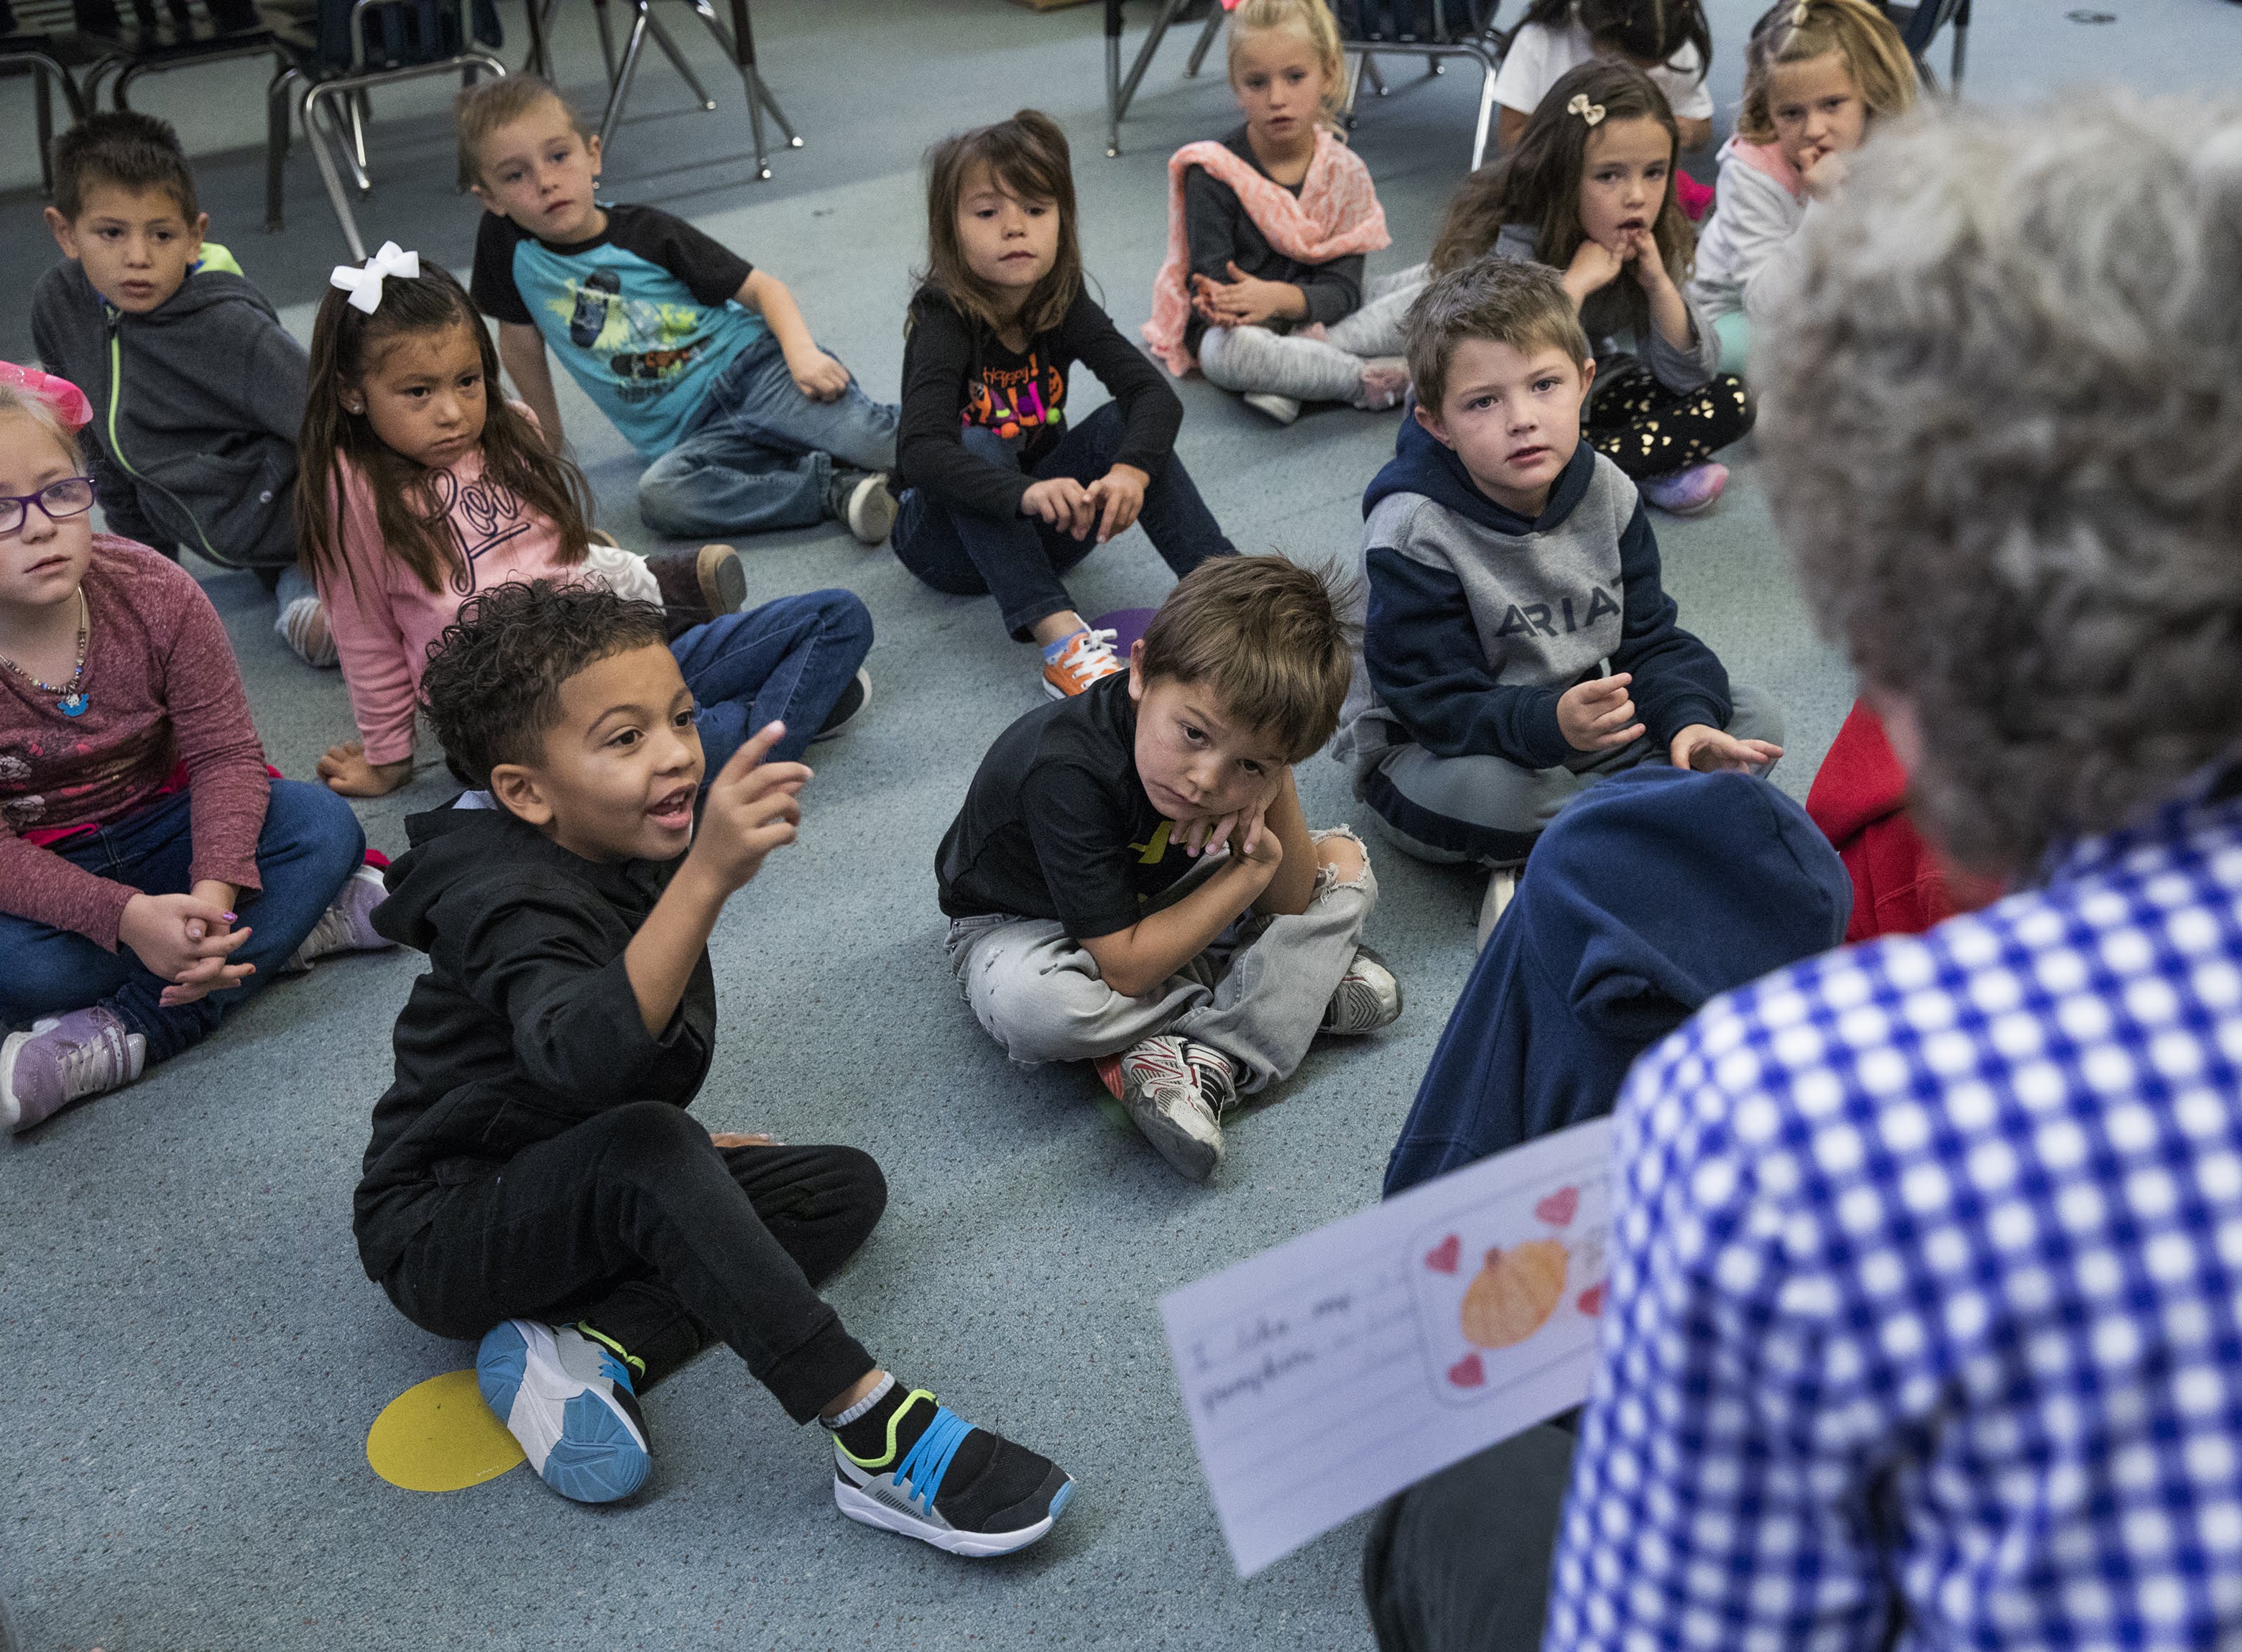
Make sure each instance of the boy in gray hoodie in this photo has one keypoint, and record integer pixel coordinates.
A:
(197, 393)
(1517, 645)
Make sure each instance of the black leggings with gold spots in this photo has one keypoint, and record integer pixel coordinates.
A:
(1648, 430)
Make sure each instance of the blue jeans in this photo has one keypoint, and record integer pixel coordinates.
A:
(310, 844)
(1018, 561)
(759, 453)
(787, 660)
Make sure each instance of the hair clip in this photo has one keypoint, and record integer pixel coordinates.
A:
(1798, 14)
(67, 401)
(1587, 111)
(364, 286)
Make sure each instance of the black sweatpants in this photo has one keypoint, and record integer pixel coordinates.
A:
(635, 1222)
(1459, 1562)
(1648, 430)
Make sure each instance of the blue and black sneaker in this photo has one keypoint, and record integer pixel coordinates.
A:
(943, 1481)
(568, 1399)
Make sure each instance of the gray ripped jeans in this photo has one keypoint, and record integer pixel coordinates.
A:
(1258, 993)
(1255, 360)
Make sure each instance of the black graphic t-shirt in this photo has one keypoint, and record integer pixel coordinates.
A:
(1056, 824)
(958, 372)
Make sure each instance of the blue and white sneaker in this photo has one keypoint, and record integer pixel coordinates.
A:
(963, 1489)
(570, 1403)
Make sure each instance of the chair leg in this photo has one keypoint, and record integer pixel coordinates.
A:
(1489, 70)
(361, 112)
(279, 98)
(1377, 77)
(623, 74)
(1128, 88)
(1113, 77)
(43, 96)
(677, 61)
(1961, 46)
(337, 197)
(607, 40)
(1214, 16)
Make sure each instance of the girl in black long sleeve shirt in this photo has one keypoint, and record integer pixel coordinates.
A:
(1003, 495)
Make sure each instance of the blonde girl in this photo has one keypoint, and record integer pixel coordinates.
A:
(1267, 230)
(152, 878)
(1590, 190)
(1819, 75)
(1003, 494)
(421, 485)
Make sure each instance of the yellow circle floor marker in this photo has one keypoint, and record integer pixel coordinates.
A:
(438, 1436)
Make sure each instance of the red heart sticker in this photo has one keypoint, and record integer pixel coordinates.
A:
(1467, 1373)
(1591, 1300)
(1443, 1257)
(1559, 1208)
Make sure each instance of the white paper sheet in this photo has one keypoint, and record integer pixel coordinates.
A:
(1324, 1375)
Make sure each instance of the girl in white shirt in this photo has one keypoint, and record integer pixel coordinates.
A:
(1669, 40)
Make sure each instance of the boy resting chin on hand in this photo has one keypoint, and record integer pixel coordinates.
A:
(1131, 882)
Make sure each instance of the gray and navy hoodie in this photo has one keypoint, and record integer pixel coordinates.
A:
(197, 406)
(1478, 620)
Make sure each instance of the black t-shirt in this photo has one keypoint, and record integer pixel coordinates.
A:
(1056, 824)
(958, 372)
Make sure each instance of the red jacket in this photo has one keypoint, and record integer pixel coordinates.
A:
(1859, 800)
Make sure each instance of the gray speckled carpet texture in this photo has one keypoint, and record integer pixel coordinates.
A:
(192, 1353)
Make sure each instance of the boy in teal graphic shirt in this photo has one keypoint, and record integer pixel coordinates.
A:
(701, 360)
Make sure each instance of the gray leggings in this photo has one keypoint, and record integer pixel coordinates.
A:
(1255, 360)
(1258, 993)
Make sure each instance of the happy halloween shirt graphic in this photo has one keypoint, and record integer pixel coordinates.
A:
(643, 317)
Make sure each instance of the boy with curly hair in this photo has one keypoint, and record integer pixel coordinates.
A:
(534, 1180)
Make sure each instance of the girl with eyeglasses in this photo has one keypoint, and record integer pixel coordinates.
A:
(151, 877)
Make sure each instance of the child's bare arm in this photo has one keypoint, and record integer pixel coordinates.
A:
(1134, 961)
(752, 808)
(815, 374)
(521, 352)
(1294, 881)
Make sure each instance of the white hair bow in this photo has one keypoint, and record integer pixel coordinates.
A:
(364, 286)
(1587, 111)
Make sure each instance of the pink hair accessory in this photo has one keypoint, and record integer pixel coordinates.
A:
(66, 398)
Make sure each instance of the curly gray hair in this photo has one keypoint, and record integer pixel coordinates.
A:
(2003, 416)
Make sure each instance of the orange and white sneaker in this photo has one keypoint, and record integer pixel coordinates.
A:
(1073, 663)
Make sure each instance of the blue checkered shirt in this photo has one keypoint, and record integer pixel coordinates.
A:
(1924, 1322)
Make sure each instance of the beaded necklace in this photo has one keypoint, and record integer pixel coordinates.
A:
(71, 697)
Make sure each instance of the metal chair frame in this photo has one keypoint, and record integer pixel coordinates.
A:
(33, 56)
(1483, 44)
(336, 109)
(1920, 26)
(738, 47)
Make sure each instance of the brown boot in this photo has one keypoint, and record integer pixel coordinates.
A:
(697, 586)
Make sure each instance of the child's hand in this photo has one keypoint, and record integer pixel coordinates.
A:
(752, 808)
(1242, 829)
(1595, 266)
(1708, 750)
(345, 770)
(1064, 503)
(1120, 493)
(184, 939)
(1246, 301)
(1824, 171)
(817, 375)
(1598, 715)
(1641, 251)
(734, 1139)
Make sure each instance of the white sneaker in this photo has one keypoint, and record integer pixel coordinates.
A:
(1367, 998)
(347, 924)
(1176, 1092)
(63, 1059)
(1502, 885)
(1283, 409)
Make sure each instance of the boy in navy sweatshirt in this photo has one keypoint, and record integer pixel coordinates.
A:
(1518, 646)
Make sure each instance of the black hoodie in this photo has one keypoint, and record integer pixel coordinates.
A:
(525, 1024)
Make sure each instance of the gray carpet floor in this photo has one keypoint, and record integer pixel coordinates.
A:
(194, 1355)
